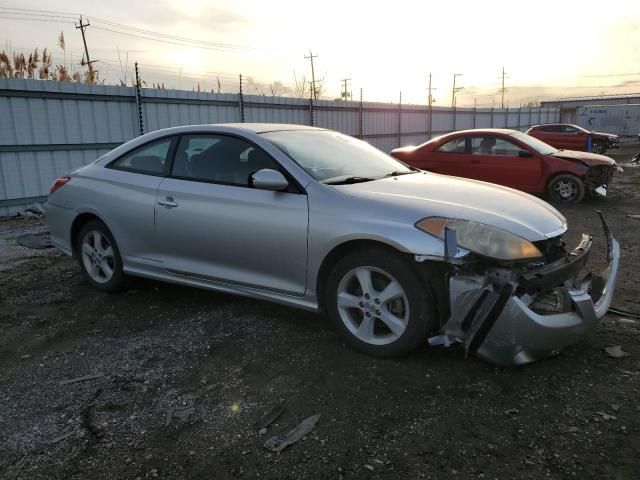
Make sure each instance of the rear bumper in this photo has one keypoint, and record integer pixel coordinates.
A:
(59, 220)
(507, 331)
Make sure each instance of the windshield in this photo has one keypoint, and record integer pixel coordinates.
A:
(538, 145)
(331, 157)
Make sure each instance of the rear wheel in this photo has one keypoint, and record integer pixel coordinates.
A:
(100, 259)
(566, 188)
(378, 302)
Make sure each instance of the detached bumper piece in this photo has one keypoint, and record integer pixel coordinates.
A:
(524, 321)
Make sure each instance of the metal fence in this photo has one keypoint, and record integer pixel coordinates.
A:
(49, 128)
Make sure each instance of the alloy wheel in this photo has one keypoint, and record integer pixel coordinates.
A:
(373, 305)
(566, 190)
(97, 256)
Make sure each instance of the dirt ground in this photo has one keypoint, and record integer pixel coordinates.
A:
(431, 415)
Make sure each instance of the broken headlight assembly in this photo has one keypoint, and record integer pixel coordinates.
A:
(482, 239)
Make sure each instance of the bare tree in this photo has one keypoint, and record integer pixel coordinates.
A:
(300, 85)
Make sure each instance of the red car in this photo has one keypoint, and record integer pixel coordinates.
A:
(516, 160)
(573, 137)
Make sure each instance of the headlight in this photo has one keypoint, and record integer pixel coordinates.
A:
(482, 239)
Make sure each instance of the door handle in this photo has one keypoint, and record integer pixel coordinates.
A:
(475, 161)
(168, 203)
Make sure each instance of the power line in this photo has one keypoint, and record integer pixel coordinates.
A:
(40, 11)
(145, 34)
(167, 36)
(36, 19)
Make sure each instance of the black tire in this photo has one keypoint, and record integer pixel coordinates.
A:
(599, 147)
(420, 317)
(117, 281)
(566, 188)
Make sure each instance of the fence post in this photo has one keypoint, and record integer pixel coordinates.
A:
(241, 101)
(540, 114)
(311, 119)
(530, 114)
(454, 118)
(492, 107)
(475, 112)
(519, 119)
(400, 121)
(139, 103)
(360, 119)
(506, 118)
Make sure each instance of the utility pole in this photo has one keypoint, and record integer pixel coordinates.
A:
(345, 88)
(314, 92)
(502, 90)
(454, 90)
(82, 26)
(430, 106)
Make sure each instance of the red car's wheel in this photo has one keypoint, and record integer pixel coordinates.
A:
(566, 188)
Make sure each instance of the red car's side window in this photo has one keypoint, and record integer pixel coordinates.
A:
(458, 145)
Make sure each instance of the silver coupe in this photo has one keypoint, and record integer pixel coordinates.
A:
(311, 218)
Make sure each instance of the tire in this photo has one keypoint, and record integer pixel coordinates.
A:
(355, 303)
(566, 188)
(599, 148)
(100, 258)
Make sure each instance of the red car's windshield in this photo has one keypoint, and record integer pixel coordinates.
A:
(538, 145)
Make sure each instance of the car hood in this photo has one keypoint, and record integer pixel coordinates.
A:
(430, 194)
(590, 159)
(604, 134)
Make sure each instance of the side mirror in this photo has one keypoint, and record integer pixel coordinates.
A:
(268, 179)
(525, 154)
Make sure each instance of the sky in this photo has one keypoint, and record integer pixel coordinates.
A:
(547, 48)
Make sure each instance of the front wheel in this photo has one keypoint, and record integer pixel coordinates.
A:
(378, 302)
(566, 188)
(100, 259)
(599, 147)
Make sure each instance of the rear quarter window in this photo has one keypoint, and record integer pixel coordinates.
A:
(151, 158)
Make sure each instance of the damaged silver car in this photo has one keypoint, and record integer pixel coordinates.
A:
(314, 219)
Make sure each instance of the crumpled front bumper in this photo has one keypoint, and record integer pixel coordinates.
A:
(509, 332)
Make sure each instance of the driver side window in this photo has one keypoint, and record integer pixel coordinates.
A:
(219, 159)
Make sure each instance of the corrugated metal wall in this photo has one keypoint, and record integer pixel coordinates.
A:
(49, 128)
(622, 120)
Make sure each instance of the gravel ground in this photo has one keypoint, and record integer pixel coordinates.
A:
(162, 347)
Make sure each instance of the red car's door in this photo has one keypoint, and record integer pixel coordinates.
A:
(573, 138)
(450, 158)
(497, 160)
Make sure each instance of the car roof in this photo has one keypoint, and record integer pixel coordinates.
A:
(267, 127)
(475, 131)
(556, 125)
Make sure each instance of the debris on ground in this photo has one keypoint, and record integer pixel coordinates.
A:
(181, 413)
(606, 416)
(37, 241)
(277, 443)
(60, 438)
(616, 352)
(84, 378)
(270, 416)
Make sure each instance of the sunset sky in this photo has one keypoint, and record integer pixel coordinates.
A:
(548, 48)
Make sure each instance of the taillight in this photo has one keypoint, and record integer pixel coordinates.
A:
(59, 182)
